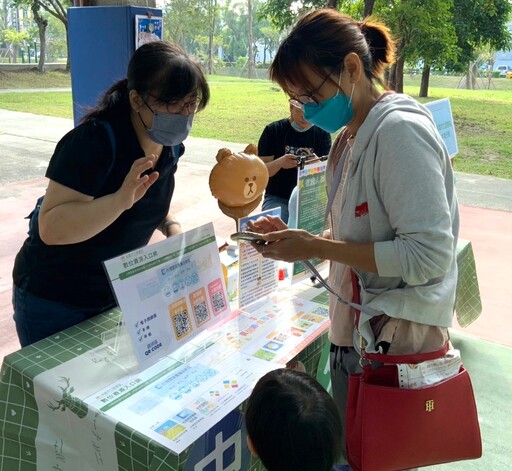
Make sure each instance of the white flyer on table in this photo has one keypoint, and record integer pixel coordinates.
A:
(174, 403)
(169, 292)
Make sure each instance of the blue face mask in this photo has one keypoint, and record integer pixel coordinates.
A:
(330, 114)
(170, 129)
(297, 128)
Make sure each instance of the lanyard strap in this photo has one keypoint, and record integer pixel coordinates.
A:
(358, 307)
(338, 173)
(379, 357)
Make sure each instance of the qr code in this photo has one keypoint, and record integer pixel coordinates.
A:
(218, 301)
(321, 311)
(201, 312)
(181, 324)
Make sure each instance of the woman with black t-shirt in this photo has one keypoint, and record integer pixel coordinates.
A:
(111, 180)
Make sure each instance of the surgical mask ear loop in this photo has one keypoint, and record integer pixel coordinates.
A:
(351, 94)
(339, 82)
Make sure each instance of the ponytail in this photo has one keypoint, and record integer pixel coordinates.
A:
(114, 101)
(380, 44)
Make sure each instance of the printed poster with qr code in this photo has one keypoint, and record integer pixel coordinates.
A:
(169, 292)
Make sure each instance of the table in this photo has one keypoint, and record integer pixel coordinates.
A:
(48, 422)
(38, 401)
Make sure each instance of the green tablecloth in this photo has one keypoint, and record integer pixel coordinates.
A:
(468, 305)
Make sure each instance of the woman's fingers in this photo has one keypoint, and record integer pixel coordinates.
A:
(267, 224)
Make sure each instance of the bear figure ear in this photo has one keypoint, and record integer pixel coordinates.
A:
(251, 149)
(222, 154)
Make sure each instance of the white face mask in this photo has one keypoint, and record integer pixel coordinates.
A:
(297, 128)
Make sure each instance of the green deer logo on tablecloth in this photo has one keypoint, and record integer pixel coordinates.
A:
(69, 401)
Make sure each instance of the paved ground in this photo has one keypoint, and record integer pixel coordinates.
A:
(27, 142)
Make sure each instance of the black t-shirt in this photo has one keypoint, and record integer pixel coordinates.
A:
(279, 138)
(84, 161)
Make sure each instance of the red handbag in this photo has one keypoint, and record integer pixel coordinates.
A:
(389, 428)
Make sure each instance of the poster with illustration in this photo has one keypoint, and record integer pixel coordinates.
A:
(148, 29)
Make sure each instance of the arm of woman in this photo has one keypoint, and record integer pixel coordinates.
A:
(170, 226)
(292, 245)
(413, 184)
(285, 161)
(267, 148)
(69, 217)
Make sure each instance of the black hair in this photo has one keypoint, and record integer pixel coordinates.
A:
(161, 69)
(320, 41)
(293, 423)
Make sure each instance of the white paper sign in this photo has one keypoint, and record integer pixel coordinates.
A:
(257, 276)
(169, 292)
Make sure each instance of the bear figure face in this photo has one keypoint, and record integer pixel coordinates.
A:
(238, 178)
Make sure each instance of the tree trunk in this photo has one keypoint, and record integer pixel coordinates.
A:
(332, 4)
(472, 71)
(391, 77)
(42, 24)
(251, 69)
(399, 75)
(211, 35)
(368, 7)
(68, 57)
(425, 78)
(396, 75)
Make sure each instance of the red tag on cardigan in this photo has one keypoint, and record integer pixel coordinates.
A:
(361, 210)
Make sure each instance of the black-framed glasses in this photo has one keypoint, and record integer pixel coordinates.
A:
(302, 100)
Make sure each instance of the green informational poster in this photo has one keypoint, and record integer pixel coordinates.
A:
(311, 201)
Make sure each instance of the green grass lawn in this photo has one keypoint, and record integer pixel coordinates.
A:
(240, 108)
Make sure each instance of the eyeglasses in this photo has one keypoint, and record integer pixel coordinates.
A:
(178, 107)
(302, 100)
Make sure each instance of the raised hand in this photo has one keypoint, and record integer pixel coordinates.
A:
(135, 184)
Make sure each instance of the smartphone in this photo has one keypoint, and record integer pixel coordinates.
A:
(249, 236)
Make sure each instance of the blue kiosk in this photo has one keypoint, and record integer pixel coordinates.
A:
(101, 41)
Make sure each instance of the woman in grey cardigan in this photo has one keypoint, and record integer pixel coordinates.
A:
(392, 208)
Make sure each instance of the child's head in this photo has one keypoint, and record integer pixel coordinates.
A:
(293, 423)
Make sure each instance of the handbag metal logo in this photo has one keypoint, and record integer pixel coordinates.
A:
(429, 405)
